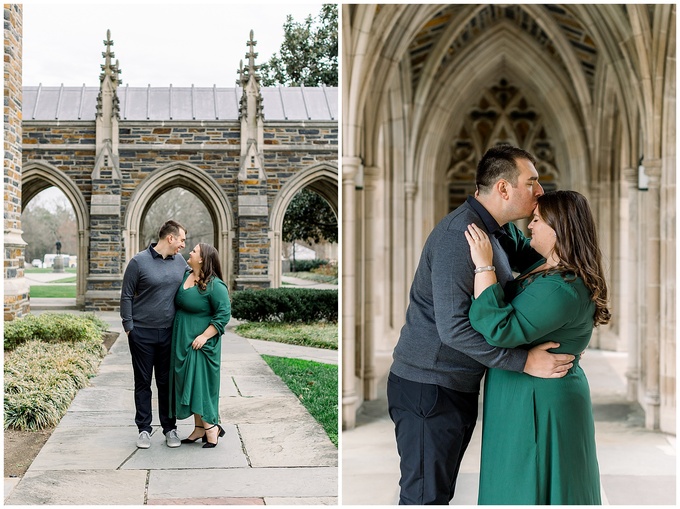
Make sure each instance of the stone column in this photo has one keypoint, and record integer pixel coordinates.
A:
(253, 210)
(653, 294)
(629, 277)
(105, 277)
(16, 288)
(350, 168)
(410, 189)
(374, 275)
(253, 241)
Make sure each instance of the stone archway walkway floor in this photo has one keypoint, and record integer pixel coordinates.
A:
(273, 453)
(637, 466)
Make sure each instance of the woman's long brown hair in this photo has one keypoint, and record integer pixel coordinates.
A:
(576, 245)
(211, 265)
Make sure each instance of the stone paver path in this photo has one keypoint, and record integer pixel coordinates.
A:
(273, 453)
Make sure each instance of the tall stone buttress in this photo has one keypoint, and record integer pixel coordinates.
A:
(104, 279)
(253, 211)
(15, 285)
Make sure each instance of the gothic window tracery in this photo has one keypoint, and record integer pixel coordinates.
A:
(502, 115)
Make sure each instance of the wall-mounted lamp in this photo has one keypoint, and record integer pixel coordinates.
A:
(643, 179)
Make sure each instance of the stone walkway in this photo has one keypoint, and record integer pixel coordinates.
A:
(637, 466)
(273, 453)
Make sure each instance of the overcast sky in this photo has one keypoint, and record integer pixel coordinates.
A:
(155, 43)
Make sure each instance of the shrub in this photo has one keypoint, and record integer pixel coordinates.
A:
(285, 305)
(41, 380)
(306, 265)
(48, 358)
(329, 269)
(54, 327)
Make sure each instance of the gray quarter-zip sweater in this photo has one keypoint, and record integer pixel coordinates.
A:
(437, 345)
(150, 283)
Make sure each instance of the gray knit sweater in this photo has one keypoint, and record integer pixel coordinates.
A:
(437, 344)
(149, 287)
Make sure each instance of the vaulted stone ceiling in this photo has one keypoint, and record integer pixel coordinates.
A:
(581, 41)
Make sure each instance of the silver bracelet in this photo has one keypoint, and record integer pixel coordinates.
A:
(484, 269)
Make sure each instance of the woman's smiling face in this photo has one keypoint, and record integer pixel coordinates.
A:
(542, 236)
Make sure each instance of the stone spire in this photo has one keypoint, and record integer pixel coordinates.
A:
(253, 209)
(249, 79)
(108, 113)
(252, 119)
(109, 78)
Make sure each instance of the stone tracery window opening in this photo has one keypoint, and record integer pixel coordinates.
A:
(502, 115)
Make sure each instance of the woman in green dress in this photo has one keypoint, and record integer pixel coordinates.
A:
(538, 435)
(203, 311)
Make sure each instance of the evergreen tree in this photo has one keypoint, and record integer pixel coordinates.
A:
(308, 54)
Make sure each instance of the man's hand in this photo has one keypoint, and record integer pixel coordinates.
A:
(543, 364)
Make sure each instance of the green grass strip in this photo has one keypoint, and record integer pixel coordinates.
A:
(65, 280)
(316, 386)
(48, 270)
(53, 292)
(319, 335)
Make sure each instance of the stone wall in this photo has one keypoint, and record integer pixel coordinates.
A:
(147, 146)
(16, 302)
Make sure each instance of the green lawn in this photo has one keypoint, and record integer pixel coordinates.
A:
(316, 386)
(53, 292)
(36, 270)
(319, 335)
(71, 279)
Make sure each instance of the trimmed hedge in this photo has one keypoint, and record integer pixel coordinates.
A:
(54, 328)
(285, 305)
(306, 265)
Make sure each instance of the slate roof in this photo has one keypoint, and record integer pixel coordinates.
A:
(179, 103)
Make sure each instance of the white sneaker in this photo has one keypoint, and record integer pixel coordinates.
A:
(172, 439)
(144, 440)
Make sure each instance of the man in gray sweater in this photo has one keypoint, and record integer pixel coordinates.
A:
(147, 307)
(439, 360)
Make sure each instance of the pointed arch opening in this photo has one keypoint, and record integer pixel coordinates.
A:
(507, 54)
(321, 179)
(38, 176)
(201, 185)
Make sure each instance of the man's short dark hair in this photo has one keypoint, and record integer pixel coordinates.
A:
(170, 228)
(500, 162)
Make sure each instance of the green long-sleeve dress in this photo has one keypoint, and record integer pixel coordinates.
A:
(195, 374)
(538, 435)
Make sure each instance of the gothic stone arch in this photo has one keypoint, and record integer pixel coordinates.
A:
(38, 176)
(322, 179)
(202, 185)
(114, 149)
(600, 78)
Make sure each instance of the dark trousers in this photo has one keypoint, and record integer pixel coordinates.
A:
(151, 350)
(433, 426)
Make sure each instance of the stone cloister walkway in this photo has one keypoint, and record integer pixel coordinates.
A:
(637, 466)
